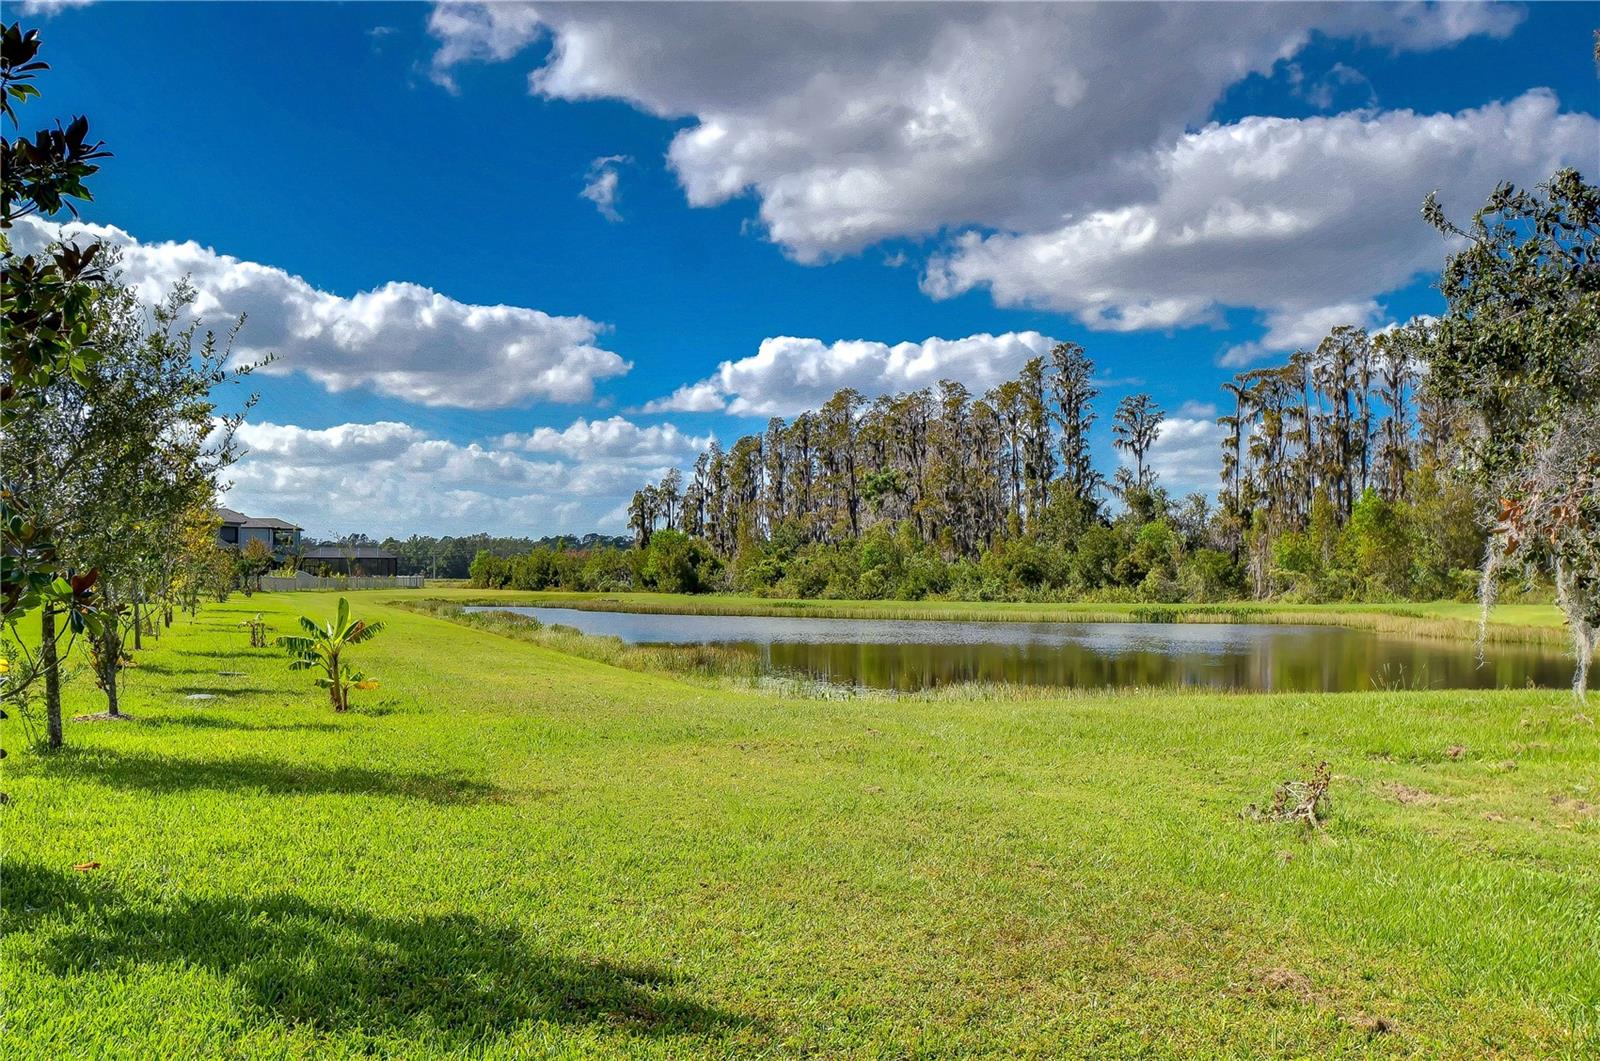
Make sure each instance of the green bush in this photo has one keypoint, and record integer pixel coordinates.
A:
(1210, 575)
(1377, 545)
(677, 563)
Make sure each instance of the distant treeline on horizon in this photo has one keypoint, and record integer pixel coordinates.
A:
(451, 556)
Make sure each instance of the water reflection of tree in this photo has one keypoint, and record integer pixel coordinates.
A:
(1330, 660)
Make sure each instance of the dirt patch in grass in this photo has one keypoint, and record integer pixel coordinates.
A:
(1279, 986)
(517, 797)
(1288, 981)
(1403, 793)
(103, 716)
(1574, 804)
(1371, 1026)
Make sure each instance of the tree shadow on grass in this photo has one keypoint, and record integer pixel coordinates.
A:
(242, 652)
(200, 721)
(157, 667)
(232, 690)
(220, 622)
(254, 773)
(337, 970)
(382, 708)
(207, 668)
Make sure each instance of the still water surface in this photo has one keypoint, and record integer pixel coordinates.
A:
(916, 653)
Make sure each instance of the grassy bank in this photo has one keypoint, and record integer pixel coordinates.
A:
(716, 664)
(508, 851)
(1538, 624)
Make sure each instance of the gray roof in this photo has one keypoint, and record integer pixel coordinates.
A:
(344, 552)
(234, 518)
(268, 521)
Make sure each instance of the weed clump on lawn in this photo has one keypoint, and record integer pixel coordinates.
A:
(1297, 800)
(258, 630)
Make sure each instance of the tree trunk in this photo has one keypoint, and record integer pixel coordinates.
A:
(112, 642)
(335, 690)
(52, 674)
(138, 627)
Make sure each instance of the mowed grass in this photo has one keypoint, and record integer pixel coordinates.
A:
(1514, 623)
(511, 852)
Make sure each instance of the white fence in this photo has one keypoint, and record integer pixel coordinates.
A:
(301, 580)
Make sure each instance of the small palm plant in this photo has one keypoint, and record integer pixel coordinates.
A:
(321, 649)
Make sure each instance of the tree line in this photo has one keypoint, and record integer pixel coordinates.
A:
(1350, 438)
(451, 556)
(961, 472)
(1331, 466)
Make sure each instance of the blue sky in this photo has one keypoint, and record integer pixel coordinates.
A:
(473, 344)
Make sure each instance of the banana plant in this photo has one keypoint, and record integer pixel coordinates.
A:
(321, 649)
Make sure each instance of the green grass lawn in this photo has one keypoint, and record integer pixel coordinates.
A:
(510, 852)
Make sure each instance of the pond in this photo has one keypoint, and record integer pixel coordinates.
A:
(909, 654)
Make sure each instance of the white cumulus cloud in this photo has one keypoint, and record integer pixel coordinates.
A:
(601, 185)
(613, 438)
(343, 444)
(1306, 219)
(481, 33)
(49, 8)
(702, 397)
(1186, 455)
(854, 123)
(1291, 330)
(1050, 148)
(390, 477)
(787, 375)
(400, 339)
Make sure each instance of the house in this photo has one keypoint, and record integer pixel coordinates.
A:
(239, 530)
(349, 560)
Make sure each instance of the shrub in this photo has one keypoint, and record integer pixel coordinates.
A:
(677, 563)
(1208, 575)
(1377, 545)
